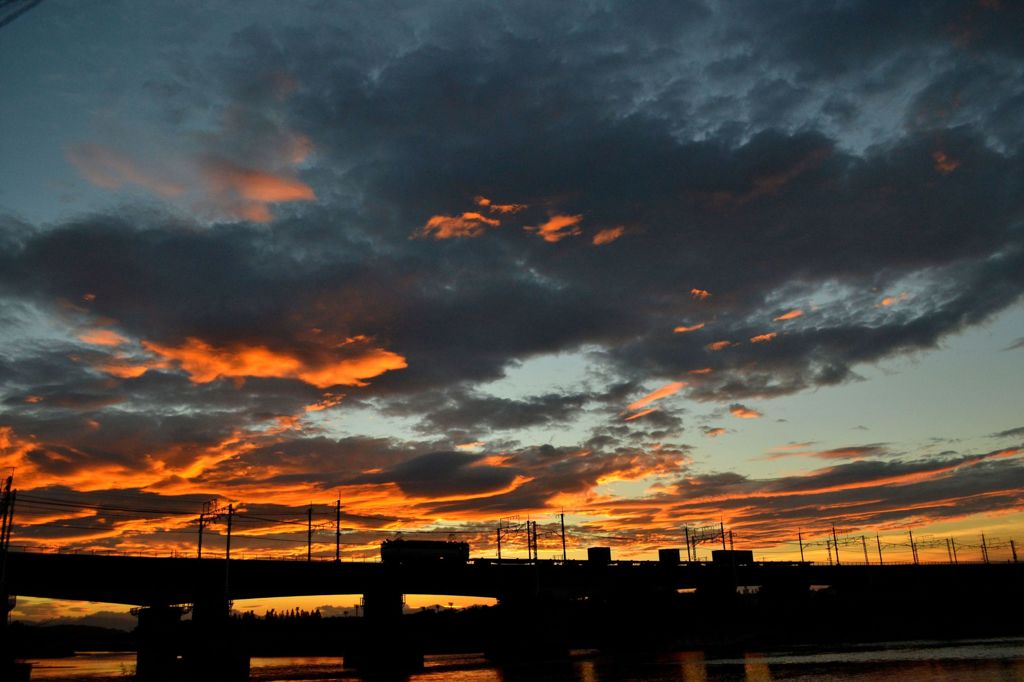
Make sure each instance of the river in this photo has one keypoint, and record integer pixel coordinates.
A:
(963, 661)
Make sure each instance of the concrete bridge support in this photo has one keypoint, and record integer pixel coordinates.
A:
(212, 649)
(10, 669)
(533, 629)
(384, 644)
(158, 637)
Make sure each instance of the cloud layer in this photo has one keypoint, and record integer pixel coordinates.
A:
(707, 202)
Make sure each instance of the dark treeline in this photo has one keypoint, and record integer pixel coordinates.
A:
(29, 640)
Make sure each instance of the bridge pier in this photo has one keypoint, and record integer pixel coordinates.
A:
(533, 629)
(383, 644)
(158, 642)
(10, 669)
(213, 651)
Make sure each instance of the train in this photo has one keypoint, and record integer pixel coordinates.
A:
(401, 551)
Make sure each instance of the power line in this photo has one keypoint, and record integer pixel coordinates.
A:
(18, 12)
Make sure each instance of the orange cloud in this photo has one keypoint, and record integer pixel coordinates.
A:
(33, 399)
(744, 412)
(702, 370)
(791, 315)
(127, 370)
(499, 208)
(608, 235)
(101, 337)
(641, 414)
(469, 224)
(762, 338)
(472, 446)
(205, 363)
(259, 186)
(327, 401)
(246, 192)
(691, 328)
(700, 294)
(718, 345)
(558, 228)
(714, 431)
(109, 169)
(666, 390)
(943, 163)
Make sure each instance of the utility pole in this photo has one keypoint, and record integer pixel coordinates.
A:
(309, 533)
(561, 518)
(227, 554)
(913, 547)
(1013, 551)
(835, 541)
(498, 535)
(529, 541)
(721, 527)
(952, 544)
(5, 498)
(5, 537)
(828, 546)
(864, 543)
(10, 520)
(231, 516)
(5, 506)
(337, 530)
(536, 549)
(800, 539)
(687, 529)
(984, 549)
(731, 546)
(202, 522)
(949, 551)
(879, 541)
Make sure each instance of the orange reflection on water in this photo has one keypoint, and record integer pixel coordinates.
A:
(755, 668)
(692, 667)
(586, 672)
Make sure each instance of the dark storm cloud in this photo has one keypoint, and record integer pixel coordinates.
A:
(733, 218)
(460, 410)
(320, 461)
(254, 288)
(441, 474)
(485, 413)
(553, 470)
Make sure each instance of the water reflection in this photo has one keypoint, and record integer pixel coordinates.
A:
(691, 666)
(974, 661)
(586, 671)
(755, 668)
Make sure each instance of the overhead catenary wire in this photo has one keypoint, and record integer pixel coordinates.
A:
(28, 4)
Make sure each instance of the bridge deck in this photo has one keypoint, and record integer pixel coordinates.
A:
(146, 581)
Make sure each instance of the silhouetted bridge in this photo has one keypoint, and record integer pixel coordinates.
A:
(150, 581)
(160, 585)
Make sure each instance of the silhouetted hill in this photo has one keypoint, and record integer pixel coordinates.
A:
(48, 641)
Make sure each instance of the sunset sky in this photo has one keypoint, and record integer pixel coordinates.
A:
(655, 265)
